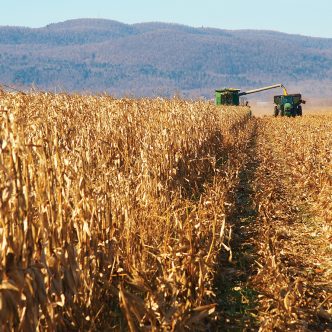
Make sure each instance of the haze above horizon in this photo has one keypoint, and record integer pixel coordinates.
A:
(310, 18)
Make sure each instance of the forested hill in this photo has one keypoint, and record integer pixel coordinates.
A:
(161, 59)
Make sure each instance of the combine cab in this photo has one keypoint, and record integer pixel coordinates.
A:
(228, 97)
(289, 105)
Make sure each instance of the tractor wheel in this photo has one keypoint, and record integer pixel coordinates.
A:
(299, 111)
(276, 111)
(282, 112)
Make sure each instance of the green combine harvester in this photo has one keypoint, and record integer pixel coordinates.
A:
(285, 104)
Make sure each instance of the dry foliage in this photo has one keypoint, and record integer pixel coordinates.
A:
(112, 211)
(293, 196)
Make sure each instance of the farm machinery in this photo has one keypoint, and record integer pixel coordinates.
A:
(289, 105)
(285, 104)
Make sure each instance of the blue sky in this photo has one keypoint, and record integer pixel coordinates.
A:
(306, 17)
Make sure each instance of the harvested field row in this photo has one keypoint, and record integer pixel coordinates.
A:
(292, 192)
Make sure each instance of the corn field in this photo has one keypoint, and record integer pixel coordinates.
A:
(129, 214)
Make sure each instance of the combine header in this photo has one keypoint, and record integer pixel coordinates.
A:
(285, 104)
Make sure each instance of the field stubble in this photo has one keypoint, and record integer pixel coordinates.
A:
(293, 195)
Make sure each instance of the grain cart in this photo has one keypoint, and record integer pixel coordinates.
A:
(289, 105)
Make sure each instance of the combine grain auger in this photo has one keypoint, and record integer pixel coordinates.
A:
(285, 104)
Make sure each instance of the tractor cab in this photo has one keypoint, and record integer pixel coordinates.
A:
(289, 105)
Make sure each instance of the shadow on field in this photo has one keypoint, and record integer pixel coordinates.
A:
(236, 300)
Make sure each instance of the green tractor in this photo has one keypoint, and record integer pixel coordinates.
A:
(288, 105)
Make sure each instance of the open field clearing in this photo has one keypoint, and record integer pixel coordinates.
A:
(153, 214)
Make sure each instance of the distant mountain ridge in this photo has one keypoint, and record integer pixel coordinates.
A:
(149, 59)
